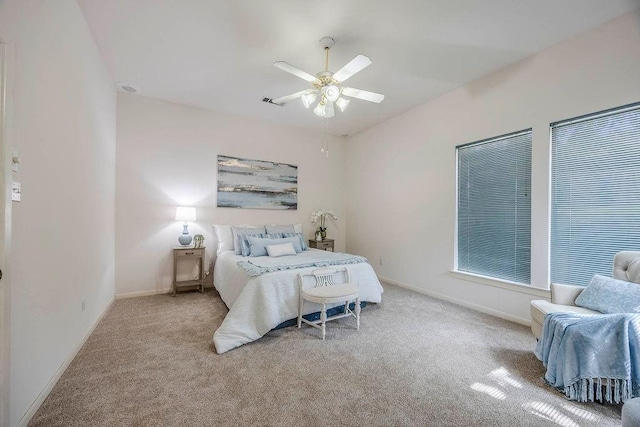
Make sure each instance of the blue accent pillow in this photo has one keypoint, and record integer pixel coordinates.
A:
(608, 295)
(259, 245)
(245, 249)
(302, 242)
(242, 231)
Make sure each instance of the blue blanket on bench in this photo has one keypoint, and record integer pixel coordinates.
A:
(592, 356)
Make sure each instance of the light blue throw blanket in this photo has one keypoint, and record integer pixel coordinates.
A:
(312, 258)
(592, 356)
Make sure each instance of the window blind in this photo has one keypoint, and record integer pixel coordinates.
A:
(494, 207)
(595, 199)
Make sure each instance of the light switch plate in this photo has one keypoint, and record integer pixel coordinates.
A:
(15, 161)
(16, 192)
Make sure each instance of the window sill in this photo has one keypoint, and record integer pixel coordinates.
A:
(502, 284)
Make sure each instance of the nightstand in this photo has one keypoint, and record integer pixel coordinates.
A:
(182, 253)
(326, 244)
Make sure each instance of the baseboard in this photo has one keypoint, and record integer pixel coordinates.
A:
(476, 307)
(147, 293)
(143, 293)
(56, 377)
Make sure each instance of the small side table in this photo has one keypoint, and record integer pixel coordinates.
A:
(326, 244)
(180, 253)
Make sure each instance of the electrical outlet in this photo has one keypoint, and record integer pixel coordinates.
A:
(381, 261)
(84, 303)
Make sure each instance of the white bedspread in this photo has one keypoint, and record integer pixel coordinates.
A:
(259, 304)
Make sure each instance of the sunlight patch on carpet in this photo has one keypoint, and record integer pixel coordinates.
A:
(503, 377)
(582, 413)
(548, 412)
(494, 392)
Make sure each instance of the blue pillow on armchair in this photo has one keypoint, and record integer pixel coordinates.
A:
(608, 295)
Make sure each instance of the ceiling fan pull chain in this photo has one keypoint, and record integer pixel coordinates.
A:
(324, 147)
(326, 136)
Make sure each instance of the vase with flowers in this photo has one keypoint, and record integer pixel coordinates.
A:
(320, 217)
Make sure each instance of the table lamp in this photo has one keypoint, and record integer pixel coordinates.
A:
(187, 215)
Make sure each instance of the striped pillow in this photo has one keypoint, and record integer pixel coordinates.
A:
(272, 229)
(243, 231)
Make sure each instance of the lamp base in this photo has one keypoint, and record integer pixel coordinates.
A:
(185, 239)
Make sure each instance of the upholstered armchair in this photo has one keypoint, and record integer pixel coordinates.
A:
(626, 266)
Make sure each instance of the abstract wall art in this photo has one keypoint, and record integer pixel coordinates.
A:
(256, 184)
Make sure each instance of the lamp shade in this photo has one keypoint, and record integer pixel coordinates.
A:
(185, 214)
(308, 99)
(319, 110)
(342, 103)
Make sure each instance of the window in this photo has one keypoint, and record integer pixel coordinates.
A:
(494, 207)
(595, 194)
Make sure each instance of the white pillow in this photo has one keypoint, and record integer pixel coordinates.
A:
(225, 238)
(281, 250)
(297, 228)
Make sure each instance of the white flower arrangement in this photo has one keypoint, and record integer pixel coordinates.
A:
(321, 216)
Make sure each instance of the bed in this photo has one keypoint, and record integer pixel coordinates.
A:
(260, 301)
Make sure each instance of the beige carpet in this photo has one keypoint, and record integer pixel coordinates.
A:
(416, 361)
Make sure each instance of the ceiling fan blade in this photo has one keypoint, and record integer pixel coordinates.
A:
(285, 66)
(329, 110)
(287, 98)
(358, 63)
(362, 94)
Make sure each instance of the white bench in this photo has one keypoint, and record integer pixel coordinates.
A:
(324, 290)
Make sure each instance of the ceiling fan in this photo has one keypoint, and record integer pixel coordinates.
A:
(328, 87)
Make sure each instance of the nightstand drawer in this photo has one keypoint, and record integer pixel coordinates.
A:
(326, 244)
(188, 253)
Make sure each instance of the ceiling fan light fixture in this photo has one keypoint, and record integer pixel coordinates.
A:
(329, 111)
(331, 92)
(319, 110)
(342, 103)
(327, 87)
(308, 99)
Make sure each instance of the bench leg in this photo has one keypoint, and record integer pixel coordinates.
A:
(323, 319)
(358, 313)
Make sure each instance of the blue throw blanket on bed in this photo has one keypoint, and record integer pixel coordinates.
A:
(592, 356)
(315, 258)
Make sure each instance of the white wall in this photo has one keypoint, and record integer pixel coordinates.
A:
(167, 157)
(401, 173)
(63, 126)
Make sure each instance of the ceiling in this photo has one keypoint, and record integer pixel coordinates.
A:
(219, 54)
